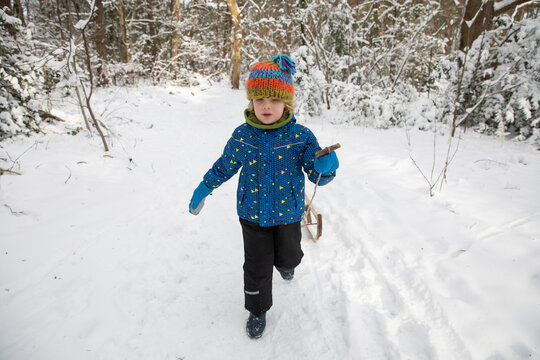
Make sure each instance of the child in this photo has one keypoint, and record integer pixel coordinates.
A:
(272, 149)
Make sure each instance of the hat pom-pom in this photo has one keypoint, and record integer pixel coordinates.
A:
(285, 63)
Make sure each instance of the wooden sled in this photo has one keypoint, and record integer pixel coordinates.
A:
(311, 217)
(312, 221)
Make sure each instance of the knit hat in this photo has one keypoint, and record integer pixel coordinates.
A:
(272, 79)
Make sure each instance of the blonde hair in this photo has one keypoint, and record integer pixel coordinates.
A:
(289, 109)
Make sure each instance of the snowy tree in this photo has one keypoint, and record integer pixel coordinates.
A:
(351, 53)
(478, 16)
(497, 87)
(269, 29)
(25, 80)
(366, 60)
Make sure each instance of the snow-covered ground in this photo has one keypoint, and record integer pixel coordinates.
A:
(100, 259)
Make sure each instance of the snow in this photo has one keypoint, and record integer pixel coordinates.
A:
(100, 258)
(8, 19)
(498, 5)
(82, 23)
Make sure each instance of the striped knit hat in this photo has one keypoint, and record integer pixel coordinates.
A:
(272, 79)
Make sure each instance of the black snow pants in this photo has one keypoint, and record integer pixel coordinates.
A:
(264, 248)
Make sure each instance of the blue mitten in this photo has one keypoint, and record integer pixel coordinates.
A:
(197, 200)
(327, 164)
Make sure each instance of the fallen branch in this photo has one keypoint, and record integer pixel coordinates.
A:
(45, 115)
(2, 171)
(69, 177)
(491, 161)
(15, 213)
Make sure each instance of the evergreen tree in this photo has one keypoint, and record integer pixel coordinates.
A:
(24, 80)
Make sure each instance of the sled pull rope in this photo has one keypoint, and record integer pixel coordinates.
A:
(327, 150)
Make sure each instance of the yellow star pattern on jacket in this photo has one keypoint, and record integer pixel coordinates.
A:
(273, 162)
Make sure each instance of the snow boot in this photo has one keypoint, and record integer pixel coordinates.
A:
(287, 275)
(255, 325)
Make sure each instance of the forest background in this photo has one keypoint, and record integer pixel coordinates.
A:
(466, 64)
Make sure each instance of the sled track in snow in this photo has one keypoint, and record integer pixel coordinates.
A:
(387, 300)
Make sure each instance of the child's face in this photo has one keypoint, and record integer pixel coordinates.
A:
(268, 111)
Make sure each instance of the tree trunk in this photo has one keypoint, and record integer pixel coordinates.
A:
(59, 19)
(152, 31)
(5, 3)
(131, 26)
(236, 45)
(175, 36)
(101, 30)
(123, 27)
(475, 21)
(19, 11)
(99, 38)
(89, 69)
(478, 15)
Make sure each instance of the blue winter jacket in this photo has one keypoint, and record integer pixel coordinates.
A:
(271, 184)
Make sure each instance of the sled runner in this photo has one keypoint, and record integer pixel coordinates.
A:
(311, 214)
(311, 217)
